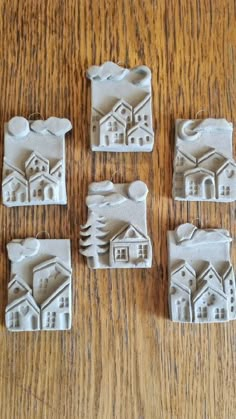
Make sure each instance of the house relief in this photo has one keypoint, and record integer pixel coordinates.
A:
(39, 291)
(29, 176)
(201, 276)
(204, 169)
(115, 234)
(121, 116)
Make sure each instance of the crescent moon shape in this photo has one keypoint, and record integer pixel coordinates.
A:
(186, 133)
(144, 71)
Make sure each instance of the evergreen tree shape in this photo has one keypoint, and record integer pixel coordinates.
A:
(93, 242)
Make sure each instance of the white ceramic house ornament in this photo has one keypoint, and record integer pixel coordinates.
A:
(115, 234)
(201, 276)
(121, 115)
(204, 169)
(34, 162)
(39, 291)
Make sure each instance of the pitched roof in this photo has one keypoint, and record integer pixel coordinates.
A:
(187, 155)
(141, 126)
(228, 270)
(58, 291)
(17, 278)
(183, 264)
(15, 175)
(208, 268)
(57, 166)
(38, 156)
(121, 102)
(123, 234)
(52, 261)
(115, 116)
(44, 175)
(224, 165)
(27, 297)
(199, 169)
(142, 103)
(209, 154)
(98, 111)
(11, 166)
(183, 287)
(204, 288)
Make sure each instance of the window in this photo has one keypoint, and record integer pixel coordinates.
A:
(43, 283)
(132, 140)
(145, 117)
(202, 312)
(232, 299)
(193, 188)
(121, 254)
(232, 309)
(231, 282)
(143, 251)
(139, 118)
(147, 138)
(34, 193)
(64, 302)
(39, 192)
(180, 161)
(51, 320)
(219, 313)
(190, 282)
(225, 190)
(123, 111)
(94, 128)
(43, 168)
(14, 319)
(128, 118)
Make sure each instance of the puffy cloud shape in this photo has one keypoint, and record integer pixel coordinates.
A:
(112, 71)
(101, 201)
(18, 251)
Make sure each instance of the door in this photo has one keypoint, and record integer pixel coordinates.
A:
(209, 189)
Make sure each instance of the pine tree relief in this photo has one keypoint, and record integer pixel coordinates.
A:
(93, 242)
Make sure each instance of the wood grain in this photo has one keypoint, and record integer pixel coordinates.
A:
(123, 358)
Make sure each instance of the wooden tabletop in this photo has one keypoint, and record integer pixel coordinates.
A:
(123, 358)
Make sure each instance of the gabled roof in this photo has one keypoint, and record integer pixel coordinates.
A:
(56, 167)
(141, 126)
(142, 103)
(27, 297)
(115, 116)
(20, 281)
(199, 169)
(7, 163)
(46, 176)
(228, 270)
(187, 155)
(15, 175)
(209, 267)
(51, 262)
(183, 287)
(205, 287)
(98, 111)
(121, 102)
(209, 154)
(123, 234)
(181, 265)
(224, 165)
(38, 156)
(55, 294)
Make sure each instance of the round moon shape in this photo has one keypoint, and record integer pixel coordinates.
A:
(18, 126)
(138, 191)
(186, 133)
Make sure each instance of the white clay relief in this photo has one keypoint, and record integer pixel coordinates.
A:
(39, 292)
(34, 162)
(204, 168)
(201, 276)
(121, 117)
(115, 234)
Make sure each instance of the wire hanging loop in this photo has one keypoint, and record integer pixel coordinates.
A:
(33, 114)
(196, 219)
(201, 111)
(43, 232)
